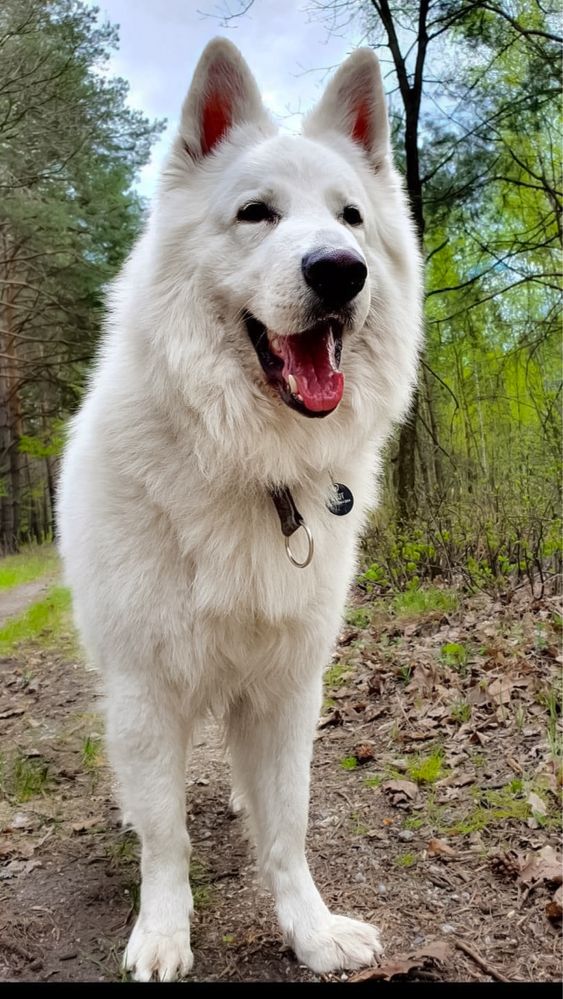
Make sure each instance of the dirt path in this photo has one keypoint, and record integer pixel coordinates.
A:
(15, 601)
(420, 820)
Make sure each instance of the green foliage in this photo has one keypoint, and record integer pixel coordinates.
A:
(491, 808)
(414, 822)
(337, 674)
(424, 601)
(461, 712)
(484, 489)
(23, 778)
(552, 700)
(427, 769)
(358, 617)
(406, 859)
(455, 655)
(349, 763)
(29, 564)
(374, 780)
(405, 674)
(45, 623)
(70, 148)
(92, 752)
(202, 888)
(50, 446)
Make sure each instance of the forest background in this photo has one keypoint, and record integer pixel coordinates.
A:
(472, 480)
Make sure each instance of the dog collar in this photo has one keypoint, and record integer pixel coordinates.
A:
(291, 520)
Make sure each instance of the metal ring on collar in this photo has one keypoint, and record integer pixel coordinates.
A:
(309, 557)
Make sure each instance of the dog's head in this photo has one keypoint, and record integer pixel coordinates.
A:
(287, 247)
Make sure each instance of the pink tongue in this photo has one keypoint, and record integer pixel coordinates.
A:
(307, 356)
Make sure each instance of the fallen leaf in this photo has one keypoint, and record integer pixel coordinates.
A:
(422, 679)
(384, 972)
(400, 790)
(542, 866)
(334, 718)
(17, 867)
(438, 950)
(438, 847)
(12, 713)
(536, 803)
(79, 827)
(554, 909)
(501, 689)
(23, 849)
(477, 696)
(20, 820)
(514, 765)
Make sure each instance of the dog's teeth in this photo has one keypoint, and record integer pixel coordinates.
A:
(275, 343)
(292, 384)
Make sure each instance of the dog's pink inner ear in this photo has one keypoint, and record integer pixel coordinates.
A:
(362, 125)
(216, 121)
(223, 102)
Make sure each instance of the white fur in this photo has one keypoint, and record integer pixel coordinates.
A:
(183, 594)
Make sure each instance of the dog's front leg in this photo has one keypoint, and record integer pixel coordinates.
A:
(271, 757)
(147, 743)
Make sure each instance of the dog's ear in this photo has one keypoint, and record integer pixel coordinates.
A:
(354, 103)
(223, 94)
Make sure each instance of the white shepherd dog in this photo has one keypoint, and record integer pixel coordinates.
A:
(205, 515)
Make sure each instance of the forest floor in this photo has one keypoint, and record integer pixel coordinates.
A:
(435, 809)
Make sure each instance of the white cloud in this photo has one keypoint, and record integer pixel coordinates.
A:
(161, 41)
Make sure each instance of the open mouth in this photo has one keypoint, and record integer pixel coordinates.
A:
(302, 367)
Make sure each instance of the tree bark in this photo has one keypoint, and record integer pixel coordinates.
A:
(411, 94)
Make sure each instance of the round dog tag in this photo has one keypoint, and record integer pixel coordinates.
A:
(342, 502)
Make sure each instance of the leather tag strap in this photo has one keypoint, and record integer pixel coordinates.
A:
(290, 518)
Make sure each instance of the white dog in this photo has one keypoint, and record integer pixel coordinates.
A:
(278, 279)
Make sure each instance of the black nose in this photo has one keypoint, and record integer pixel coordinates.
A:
(337, 276)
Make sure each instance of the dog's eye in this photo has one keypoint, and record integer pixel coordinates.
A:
(351, 215)
(256, 211)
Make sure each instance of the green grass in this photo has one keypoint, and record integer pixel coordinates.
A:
(92, 752)
(404, 674)
(455, 655)
(202, 889)
(359, 827)
(426, 769)
(29, 564)
(461, 712)
(349, 763)
(406, 859)
(414, 822)
(124, 849)
(424, 601)
(46, 623)
(358, 617)
(552, 701)
(337, 674)
(373, 780)
(23, 778)
(494, 807)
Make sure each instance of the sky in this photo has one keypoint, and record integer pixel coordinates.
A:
(289, 51)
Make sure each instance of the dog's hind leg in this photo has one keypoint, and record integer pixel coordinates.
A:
(147, 745)
(271, 756)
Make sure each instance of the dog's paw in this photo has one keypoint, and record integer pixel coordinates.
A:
(166, 956)
(338, 944)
